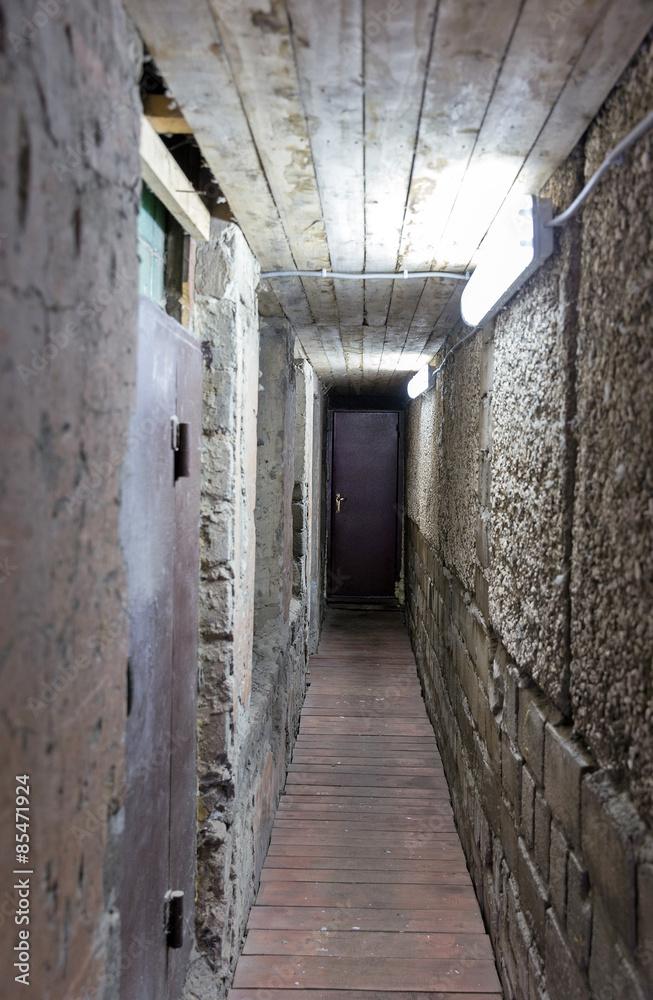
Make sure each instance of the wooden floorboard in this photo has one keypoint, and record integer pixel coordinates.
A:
(271, 994)
(365, 890)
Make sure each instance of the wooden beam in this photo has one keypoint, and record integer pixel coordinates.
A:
(470, 40)
(540, 51)
(260, 55)
(164, 116)
(164, 176)
(185, 44)
(607, 53)
(396, 42)
(329, 55)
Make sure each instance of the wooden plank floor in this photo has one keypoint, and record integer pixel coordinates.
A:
(365, 891)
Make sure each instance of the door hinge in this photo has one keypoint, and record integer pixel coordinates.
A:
(174, 919)
(180, 443)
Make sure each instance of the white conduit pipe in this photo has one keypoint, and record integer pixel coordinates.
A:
(367, 275)
(613, 158)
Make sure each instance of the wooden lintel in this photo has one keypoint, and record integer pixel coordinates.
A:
(164, 176)
(164, 116)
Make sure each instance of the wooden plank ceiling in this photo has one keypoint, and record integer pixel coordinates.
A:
(382, 135)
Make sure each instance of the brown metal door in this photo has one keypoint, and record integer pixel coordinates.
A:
(160, 536)
(183, 772)
(365, 503)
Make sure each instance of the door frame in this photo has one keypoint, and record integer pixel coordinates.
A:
(362, 408)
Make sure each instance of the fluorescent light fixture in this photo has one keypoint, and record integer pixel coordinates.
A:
(517, 243)
(419, 383)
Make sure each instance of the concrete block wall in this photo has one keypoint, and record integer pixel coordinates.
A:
(307, 496)
(258, 449)
(69, 191)
(534, 646)
(226, 322)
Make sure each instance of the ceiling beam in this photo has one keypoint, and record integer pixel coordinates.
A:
(164, 116)
(167, 180)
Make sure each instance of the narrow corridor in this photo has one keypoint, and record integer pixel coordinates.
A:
(365, 891)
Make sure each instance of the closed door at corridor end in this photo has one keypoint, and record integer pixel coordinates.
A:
(365, 509)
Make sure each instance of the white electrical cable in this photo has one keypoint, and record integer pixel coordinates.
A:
(452, 350)
(613, 158)
(367, 275)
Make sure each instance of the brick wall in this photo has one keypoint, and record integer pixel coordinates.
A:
(530, 610)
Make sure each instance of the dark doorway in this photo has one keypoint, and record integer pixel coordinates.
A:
(365, 493)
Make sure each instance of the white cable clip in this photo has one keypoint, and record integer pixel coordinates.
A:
(324, 272)
(405, 274)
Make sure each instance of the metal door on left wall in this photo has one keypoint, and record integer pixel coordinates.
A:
(160, 537)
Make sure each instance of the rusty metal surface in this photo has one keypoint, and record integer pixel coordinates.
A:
(366, 471)
(160, 537)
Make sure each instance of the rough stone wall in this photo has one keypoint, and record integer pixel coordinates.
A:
(226, 322)
(306, 489)
(536, 660)
(612, 617)
(253, 632)
(69, 187)
(441, 493)
(275, 475)
(533, 457)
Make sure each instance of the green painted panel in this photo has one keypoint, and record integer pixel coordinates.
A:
(152, 227)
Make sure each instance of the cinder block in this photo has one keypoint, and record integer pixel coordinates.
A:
(216, 543)
(519, 937)
(536, 979)
(482, 544)
(609, 821)
(510, 701)
(218, 469)
(493, 742)
(564, 979)
(219, 395)
(527, 806)
(430, 562)
(565, 763)
(481, 592)
(558, 869)
(508, 837)
(484, 652)
(541, 835)
(532, 892)
(491, 797)
(531, 721)
(611, 972)
(483, 710)
(216, 611)
(645, 920)
(579, 911)
(466, 724)
(511, 765)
